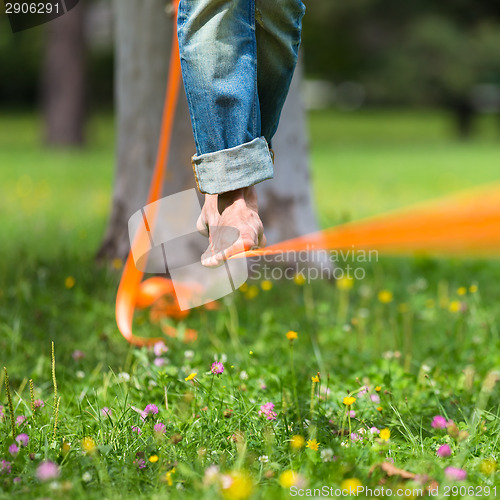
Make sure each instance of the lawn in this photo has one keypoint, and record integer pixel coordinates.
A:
(390, 382)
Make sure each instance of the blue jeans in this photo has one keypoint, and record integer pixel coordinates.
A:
(237, 59)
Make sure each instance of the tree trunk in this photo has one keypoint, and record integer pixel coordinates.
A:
(63, 79)
(143, 35)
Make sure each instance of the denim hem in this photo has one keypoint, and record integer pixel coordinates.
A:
(233, 168)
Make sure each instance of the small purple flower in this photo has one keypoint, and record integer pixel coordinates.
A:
(5, 467)
(2, 414)
(136, 429)
(267, 411)
(23, 439)
(106, 412)
(159, 362)
(355, 437)
(375, 398)
(160, 428)
(374, 430)
(78, 355)
(455, 474)
(217, 368)
(444, 451)
(13, 449)
(363, 391)
(263, 387)
(47, 470)
(16, 480)
(352, 414)
(149, 410)
(160, 348)
(20, 420)
(38, 403)
(140, 463)
(438, 422)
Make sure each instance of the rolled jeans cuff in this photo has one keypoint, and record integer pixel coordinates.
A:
(233, 168)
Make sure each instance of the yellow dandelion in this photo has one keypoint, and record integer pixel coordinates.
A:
(379, 408)
(117, 264)
(385, 434)
(315, 379)
(190, 376)
(266, 285)
(462, 290)
(349, 400)
(291, 336)
(351, 485)
(473, 289)
(69, 282)
(239, 486)
(252, 292)
(244, 287)
(88, 445)
(299, 279)
(168, 476)
(345, 283)
(385, 296)
(289, 478)
(65, 447)
(153, 459)
(488, 466)
(403, 307)
(250, 352)
(297, 442)
(455, 306)
(378, 388)
(312, 444)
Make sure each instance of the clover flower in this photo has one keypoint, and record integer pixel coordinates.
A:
(160, 348)
(106, 412)
(20, 420)
(77, 355)
(217, 368)
(38, 403)
(136, 429)
(455, 474)
(267, 411)
(439, 422)
(5, 467)
(23, 439)
(444, 451)
(150, 409)
(13, 449)
(47, 470)
(160, 428)
(140, 463)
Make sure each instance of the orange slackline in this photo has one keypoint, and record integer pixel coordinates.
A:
(460, 225)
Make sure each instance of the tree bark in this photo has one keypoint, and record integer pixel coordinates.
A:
(143, 34)
(63, 80)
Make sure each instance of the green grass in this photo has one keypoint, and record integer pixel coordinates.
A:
(432, 346)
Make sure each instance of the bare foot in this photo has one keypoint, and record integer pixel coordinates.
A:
(220, 214)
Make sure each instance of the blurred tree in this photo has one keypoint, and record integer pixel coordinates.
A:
(438, 63)
(63, 80)
(407, 53)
